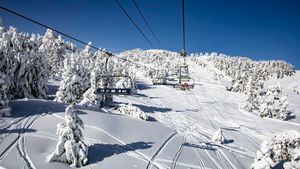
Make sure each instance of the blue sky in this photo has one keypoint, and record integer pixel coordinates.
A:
(259, 29)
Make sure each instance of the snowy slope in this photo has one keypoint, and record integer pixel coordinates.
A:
(178, 136)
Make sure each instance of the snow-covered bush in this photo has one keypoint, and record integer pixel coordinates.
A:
(70, 148)
(274, 103)
(218, 137)
(284, 146)
(4, 100)
(132, 111)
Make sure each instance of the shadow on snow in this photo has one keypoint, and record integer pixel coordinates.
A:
(98, 152)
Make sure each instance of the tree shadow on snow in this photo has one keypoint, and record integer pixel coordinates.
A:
(52, 89)
(29, 107)
(142, 86)
(17, 130)
(98, 152)
(290, 117)
(152, 109)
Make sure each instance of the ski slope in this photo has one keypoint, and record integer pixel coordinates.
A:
(178, 136)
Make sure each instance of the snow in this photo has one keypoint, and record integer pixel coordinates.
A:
(181, 137)
(179, 129)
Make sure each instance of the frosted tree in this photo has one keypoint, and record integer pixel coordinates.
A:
(274, 104)
(253, 90)
(218, 137)
(54, 48)
(70, 148)
(90, 97)
(23, 65)
(284, 146)
(74, 83)
(4, 100)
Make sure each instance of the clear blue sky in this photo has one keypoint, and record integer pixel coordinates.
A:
(259, 29)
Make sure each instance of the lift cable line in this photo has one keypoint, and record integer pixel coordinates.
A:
(55, 30)
(73, 38)
(183, 33)
(124, 11)
(148, 25)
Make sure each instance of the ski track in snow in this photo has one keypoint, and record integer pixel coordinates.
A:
(178, 153)
(153, 158)
(20, 125)
(143, 156)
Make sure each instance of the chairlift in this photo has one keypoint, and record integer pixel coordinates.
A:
(185, 82)
(106, 89)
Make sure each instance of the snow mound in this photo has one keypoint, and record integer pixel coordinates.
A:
(284, 146)
(132, 111)
(218, 137)
(70, 148)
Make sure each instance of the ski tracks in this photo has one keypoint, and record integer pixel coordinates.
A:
(160, 149)
(21, 125)
(178, 153)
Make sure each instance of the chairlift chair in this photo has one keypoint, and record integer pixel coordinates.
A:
(185, 82)
(114, 90)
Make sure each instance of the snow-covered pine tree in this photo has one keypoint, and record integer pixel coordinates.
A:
(70, 148)
(72, 86)
(23, 65)
(90, 97)
(4, 100)
(76, 76)
(54, 48)
(253, 90)
(283, 146)
(274, 103)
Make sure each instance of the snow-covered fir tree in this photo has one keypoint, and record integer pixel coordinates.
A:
(283, 146)
(274, 103)
(74, 83)
(23, 65)
(90, 97)
(70, 148)
(5, 109)
(53, 48)
(254, 91)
